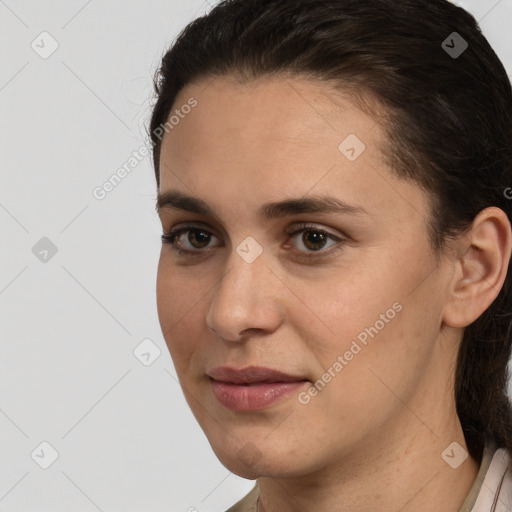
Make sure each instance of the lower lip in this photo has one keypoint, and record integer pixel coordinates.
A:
(255, 396)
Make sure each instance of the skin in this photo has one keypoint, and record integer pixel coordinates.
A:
(372, 438)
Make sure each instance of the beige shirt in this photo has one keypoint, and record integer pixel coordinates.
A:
(491, 491)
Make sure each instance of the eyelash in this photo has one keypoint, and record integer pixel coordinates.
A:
(170, 238)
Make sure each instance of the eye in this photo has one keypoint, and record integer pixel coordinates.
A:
(198, 238)
(313, 239)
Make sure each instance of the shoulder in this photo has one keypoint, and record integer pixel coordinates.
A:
(504, 491)
(496, 492)
(247, 503)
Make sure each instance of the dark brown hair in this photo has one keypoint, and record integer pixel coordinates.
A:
(448, 123)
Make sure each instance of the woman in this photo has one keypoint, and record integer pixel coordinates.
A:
(333, 285)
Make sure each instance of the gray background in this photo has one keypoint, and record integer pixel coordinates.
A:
(70, 320)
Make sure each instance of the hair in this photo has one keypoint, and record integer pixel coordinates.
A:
(448, 125)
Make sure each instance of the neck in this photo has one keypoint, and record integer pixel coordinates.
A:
(408, 474)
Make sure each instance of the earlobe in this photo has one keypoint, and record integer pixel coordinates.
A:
(481, 269)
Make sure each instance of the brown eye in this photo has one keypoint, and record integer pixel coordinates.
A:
(199, 239)
(314, 240)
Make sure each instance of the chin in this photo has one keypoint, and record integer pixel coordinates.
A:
(252, 460)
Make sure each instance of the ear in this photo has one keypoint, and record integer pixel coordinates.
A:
(481, 267)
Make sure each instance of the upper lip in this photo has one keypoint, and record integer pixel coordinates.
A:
(251, 374)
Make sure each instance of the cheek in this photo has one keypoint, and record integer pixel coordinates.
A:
(368, 294)
(166, 291)
(345, 307)
(179, 290)
(181, 303)
(368, 317)
(385, 338)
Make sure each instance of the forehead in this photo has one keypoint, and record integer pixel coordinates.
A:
(271, 112)
(272, 138)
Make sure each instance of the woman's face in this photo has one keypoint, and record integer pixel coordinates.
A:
(352, 302)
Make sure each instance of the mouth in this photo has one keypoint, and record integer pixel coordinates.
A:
(252, 388)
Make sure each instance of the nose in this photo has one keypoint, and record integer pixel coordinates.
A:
(245, 300)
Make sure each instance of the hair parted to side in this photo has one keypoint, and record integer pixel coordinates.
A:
(448, 123)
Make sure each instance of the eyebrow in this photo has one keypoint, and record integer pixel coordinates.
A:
(312, 204)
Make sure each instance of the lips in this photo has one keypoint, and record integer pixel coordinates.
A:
(251, 375)
(253, 387)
